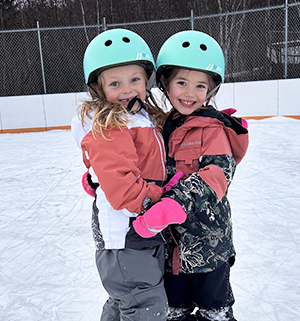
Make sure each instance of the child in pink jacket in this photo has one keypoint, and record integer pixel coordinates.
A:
(206, 145)
(124, 152)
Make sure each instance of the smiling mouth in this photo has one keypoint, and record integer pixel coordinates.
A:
(187, 103)
(126, 100)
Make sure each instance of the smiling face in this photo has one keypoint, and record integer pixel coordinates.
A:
(121, 84)
(187, 90)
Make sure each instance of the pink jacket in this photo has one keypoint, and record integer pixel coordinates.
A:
(126, 165)
(206, 146)
(206, 136)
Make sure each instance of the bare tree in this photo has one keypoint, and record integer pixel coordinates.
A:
(230, 28)
(83, 21)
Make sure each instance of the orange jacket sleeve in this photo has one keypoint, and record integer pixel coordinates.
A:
(116, 164)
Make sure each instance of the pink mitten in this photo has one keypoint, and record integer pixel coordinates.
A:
(244, 123)
(173, 181)
(159, 216)
(86, 178)
(231, 111)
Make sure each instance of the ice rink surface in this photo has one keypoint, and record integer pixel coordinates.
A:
(47, 269)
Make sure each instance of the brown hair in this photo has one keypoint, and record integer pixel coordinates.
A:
(108, 115)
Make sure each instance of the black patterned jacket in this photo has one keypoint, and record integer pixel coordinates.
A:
(206, 146)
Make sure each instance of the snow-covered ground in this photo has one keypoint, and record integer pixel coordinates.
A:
(47, 269)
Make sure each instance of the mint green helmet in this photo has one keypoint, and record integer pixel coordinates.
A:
(116, 47)
(193, 50)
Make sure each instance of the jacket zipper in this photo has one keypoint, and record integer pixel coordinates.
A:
(162, 151)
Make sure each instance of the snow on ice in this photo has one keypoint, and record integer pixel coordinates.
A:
(47, 269)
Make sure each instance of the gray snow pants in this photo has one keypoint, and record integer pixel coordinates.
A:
(134, 282)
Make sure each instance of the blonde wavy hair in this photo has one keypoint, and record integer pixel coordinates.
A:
(106, 115)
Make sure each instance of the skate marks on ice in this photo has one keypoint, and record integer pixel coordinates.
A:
(265, 199)
(46, 267)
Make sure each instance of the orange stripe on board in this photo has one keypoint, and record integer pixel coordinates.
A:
(33, 129)
(256, 117)
(44, 129)
(263, 117)
(293, 116)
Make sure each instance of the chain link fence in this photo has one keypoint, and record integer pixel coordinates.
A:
(258, 44)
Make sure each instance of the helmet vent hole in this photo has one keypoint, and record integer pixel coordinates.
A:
(125, 39)
(108, 43)
(185, 44)
(203, 47)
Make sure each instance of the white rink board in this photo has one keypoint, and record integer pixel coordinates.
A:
(251, 99)
(288, 97)
(21, 112)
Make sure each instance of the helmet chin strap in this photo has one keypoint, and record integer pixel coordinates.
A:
(150, 83)
(91, 87)
(212, 92)
(132, 103)
(138, 100)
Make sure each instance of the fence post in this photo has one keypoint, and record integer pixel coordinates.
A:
(286, 24)
(192, 19)
(41, 55)
(104, 24)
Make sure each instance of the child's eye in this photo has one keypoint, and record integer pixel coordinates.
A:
(114, 84)
(181, 83)
(200, 86)
(136, 79)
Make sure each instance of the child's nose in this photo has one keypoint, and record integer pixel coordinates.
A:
(127, 88)
(188, 92)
